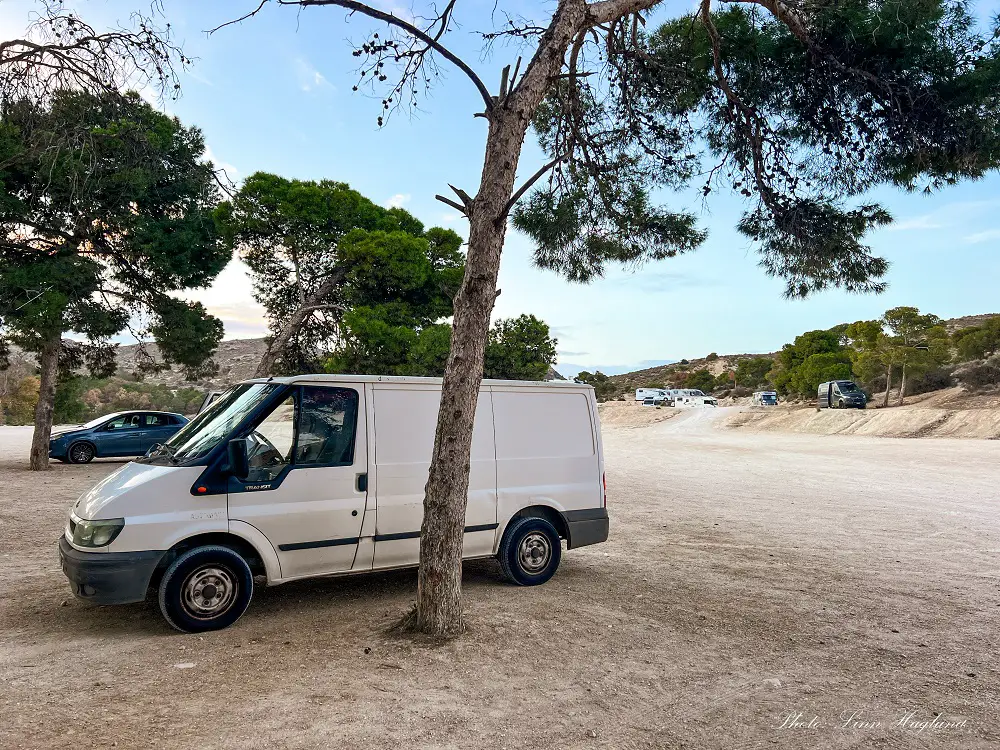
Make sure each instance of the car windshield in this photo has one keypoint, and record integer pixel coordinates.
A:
(99, 421)
(847, 387)
(199, 436)
(695, 393)
(769, 397)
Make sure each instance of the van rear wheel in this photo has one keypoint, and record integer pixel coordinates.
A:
(206, 588)
(529, 551)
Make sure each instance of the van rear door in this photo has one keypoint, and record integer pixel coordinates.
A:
(307, 487)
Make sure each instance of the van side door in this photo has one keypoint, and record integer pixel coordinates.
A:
(405, 422)
(307, 487)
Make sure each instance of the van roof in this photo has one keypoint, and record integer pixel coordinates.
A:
(324, 378)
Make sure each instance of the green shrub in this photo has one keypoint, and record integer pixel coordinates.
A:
(981, 375)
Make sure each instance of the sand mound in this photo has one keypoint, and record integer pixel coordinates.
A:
(914, 420)
(624, 414)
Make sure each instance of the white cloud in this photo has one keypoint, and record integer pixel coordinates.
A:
(398, 200)
(309, 78)
(390, 6)
(989, 234)
(950, 215)
(232, 173)
(926, 221)
(230, 298)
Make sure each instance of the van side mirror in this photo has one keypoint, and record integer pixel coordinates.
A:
(239, 465)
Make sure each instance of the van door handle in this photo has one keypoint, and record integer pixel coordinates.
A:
(362, 482)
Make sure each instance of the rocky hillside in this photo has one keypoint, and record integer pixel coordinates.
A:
(236, 360)
(968, 321)
(662, 374)
(723, 362)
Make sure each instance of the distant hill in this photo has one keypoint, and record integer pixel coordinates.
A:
(968, 321)
(656, 375)
(236, 359)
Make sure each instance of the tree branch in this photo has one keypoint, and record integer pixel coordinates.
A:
(612, 10)
(409, 28)
(519, 193)
(449, 202)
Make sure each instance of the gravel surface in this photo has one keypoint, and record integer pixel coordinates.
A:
(751, 581)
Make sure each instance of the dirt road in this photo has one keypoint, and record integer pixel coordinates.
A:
(751, 581)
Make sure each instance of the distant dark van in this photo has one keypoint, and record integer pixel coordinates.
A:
(841, 394)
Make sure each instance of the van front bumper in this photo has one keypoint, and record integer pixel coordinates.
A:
(108, 577)
(589, 526)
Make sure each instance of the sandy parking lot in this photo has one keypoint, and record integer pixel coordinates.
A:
(749, 577)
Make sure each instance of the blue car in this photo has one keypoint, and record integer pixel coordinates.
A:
(126, 433)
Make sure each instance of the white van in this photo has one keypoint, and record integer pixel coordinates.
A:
(690, 398)
(765, 398)
(659, 395)
(322, 475)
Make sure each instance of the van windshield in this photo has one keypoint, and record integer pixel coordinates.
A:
(847, 387)
(199, 436)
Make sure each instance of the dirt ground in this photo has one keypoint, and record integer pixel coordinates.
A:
(757, 589)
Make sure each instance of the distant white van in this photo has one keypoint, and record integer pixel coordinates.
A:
(690, 397)
(657, 394)
(322, 475)
(765, 398)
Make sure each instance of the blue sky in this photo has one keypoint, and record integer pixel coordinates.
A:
(274, 94)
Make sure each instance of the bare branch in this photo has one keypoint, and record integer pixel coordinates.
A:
(60, 50)
(519, 193)
(457, 206)
(392, 20)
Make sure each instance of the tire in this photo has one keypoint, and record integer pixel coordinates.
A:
(840, 404)
(529, 551)
(80, 453)
(219, 570)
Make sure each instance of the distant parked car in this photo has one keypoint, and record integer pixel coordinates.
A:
(126, 433)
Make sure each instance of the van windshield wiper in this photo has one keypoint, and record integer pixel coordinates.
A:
(164, 449)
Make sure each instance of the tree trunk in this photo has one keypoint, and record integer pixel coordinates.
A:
(439, 593)
(48, 365)
(902, 387)
(439, 586)
(278, 343)
(294, 322)
(888, 385)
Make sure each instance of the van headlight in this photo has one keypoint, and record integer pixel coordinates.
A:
(97, 533)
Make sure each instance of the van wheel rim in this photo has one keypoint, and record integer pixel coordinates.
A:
(534, 552)
(209, 592)
(81, 453)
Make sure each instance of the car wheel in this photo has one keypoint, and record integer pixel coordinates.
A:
(840, 404)
(529, 551)
(206, 588)
(80, 453)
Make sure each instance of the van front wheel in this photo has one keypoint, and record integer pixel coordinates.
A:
(529, 551)
(206, 588)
